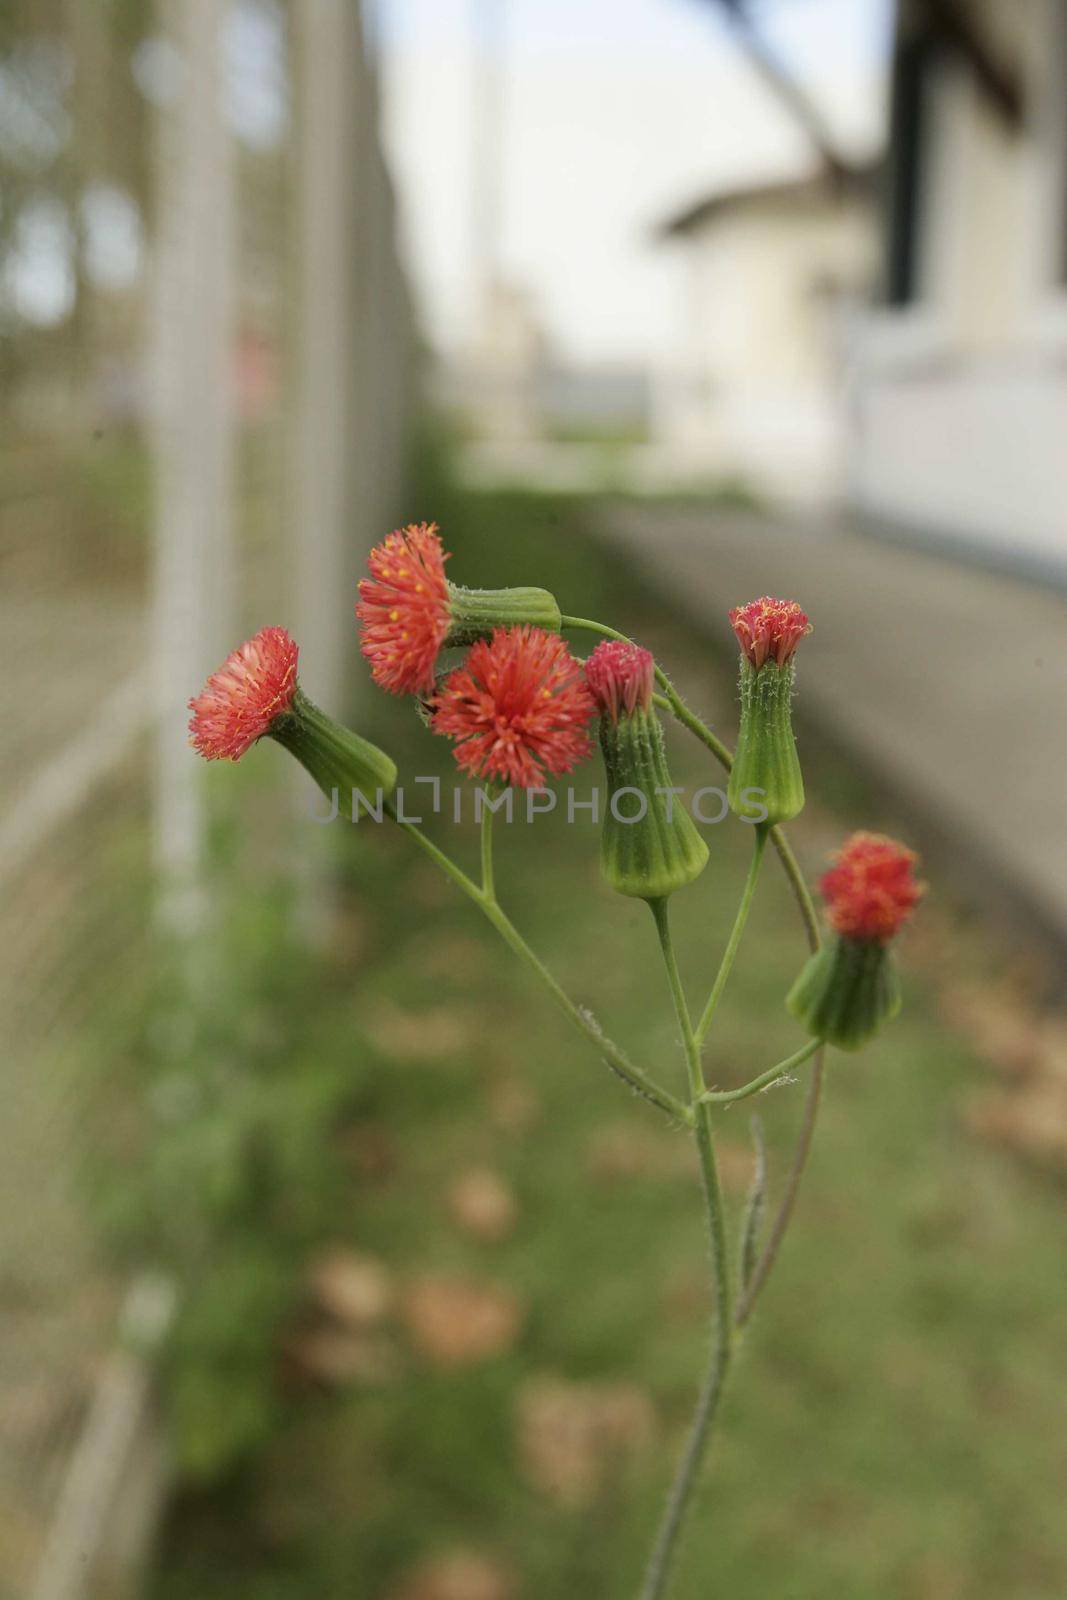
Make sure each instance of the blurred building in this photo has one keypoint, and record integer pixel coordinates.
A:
(772, 274)
(960, 376)
(489, 385)
(511, 392)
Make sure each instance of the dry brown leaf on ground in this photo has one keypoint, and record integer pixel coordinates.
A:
(1002, 1029)
(514, 1105)
(340, 1356)
(455, 959)
(455, 1322)
(686, 1295)
(483, 1205)
(1032, 1121)
(1052, 1048)
(372, 1151)
(737, 1163)
(463, 1575)
(938, 1578)
(574, 1437)
(356, 1289)
(624, 1151)
(421, 1035)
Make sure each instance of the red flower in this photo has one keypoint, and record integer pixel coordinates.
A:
(518, 706)
(404, 609)
(769, 628)
(871, 888)
(237, 705)
(620, 676)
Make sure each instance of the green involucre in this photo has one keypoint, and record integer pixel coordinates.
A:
(766, 757)
(335, 757)
(660, 850)
(476, 612)
(847, 992)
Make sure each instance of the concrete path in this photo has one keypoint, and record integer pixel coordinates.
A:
(948, 682)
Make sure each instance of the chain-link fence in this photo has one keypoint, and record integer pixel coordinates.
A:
(206, 376)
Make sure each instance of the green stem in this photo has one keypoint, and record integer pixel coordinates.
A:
(487, 848)
(724, 1097)
(658, 1572)
(586, 1024)
(733, 944)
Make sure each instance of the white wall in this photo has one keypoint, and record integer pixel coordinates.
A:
(756, 387)
(975, 454)
(959, 418)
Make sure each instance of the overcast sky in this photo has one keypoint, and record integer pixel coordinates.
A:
(618, 112)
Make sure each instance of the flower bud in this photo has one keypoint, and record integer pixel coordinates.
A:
(849, 989)
(766, 777)
(649, 846)
(255, 695)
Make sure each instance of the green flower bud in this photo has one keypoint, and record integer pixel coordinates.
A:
(765, 779)
(649, 846)
(847, 992)
(849, 989)
(766, 761)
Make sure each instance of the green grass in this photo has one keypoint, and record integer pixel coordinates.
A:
(896, 1426)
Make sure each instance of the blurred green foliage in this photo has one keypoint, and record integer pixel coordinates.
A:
(224, 1084)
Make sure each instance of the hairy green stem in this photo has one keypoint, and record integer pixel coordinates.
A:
(658, 1572)
(583, 1021)
(723, 1097)
(733, 944)
(488, 814)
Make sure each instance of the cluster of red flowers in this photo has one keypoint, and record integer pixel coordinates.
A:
(769, 629)
(518, 707)
(255, 684)
(404, 609)
(620, 675)
(871, 889)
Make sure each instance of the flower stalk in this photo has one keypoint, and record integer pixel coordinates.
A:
(776, 1074)
(518, 708)
(665, 1548)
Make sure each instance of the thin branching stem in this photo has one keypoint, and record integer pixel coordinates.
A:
(488, 889)
(725, 1097)
(664, 1551)
(582, 1020)
(733, 944)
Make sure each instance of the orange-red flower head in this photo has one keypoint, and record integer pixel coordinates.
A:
(404, 607)
(871, 889)
(620, 676)
(769, 629)
(255, 684)
(518, 707)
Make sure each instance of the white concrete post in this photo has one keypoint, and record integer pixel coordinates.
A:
(330, 78)
(192, 370)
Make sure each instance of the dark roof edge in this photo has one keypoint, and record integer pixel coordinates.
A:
(822, 183)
